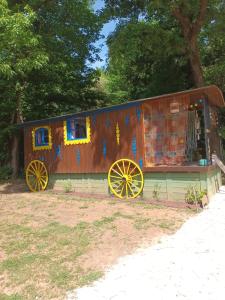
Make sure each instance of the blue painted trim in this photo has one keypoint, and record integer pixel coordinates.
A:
(134, 146)
(57, 149)
(138, 113)
(141, 163)
(42, 132)
(127, 120)
(78, 156)
(87, 113)
(104, 149)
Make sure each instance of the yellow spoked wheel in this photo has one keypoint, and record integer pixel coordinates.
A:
(125, 179)
(36, 176)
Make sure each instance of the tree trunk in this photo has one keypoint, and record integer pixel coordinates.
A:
(15, 157)
(191, 30)
(18, 119)
(195, 62)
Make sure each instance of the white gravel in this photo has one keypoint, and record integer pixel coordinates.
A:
(188, 265)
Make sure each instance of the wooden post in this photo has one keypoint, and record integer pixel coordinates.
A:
(207, 127)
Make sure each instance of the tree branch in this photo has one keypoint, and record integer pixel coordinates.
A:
(183, 20)
(201, 17)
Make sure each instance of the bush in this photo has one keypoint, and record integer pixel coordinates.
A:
(67, 186)
(194, 195)
(5, 172)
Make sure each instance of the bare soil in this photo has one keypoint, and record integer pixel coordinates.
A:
(66, 241)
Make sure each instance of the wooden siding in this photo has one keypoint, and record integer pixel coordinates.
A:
(103, 150)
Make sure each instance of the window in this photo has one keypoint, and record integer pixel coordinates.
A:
(77, 131)
(42, 139)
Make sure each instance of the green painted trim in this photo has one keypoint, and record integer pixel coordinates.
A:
(173, 186)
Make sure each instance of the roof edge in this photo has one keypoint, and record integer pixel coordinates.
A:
(206, 89)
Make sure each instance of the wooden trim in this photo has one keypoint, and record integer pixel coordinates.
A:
(180, 169)
(42, 147)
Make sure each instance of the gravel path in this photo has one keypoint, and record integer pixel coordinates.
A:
(188, 265)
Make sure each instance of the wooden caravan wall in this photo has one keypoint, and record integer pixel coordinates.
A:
(98, 155)
(151, 132)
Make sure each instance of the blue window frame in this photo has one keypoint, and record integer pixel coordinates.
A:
(41, 137)
(76, 129)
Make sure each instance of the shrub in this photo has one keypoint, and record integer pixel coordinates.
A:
(194, 195)
(67, 186)
(5, 172)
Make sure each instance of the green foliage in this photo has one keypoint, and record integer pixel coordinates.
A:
(45, 54)
(67, 186)
(5, 172)
(156, 191)
(194, 195)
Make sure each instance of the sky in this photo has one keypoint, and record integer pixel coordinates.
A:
(106, 30)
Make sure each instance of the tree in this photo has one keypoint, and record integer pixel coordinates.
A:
(20, 54)
(140, 67)
(189, 15)
(45, 55)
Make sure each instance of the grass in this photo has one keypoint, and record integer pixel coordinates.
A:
(10, 297)
(43, 257)
(142, 223)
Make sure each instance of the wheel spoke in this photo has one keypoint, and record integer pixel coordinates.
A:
(133, 170)
(124, 171)
(122, 190)
(41, 183)
(117, 187)
(117, 173)
(127, 191)
(114, 176)
(138, 174)
(128, 168)
(33, 167)
(116, 181)
(136, 180)
(130, 189)
(31, 171)
(119, 169)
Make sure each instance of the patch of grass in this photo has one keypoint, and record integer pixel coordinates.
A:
(10, 297)
(124, 216)
(60, 276)
(17, 263)
(153, 206)
(83, 207)
(104, 221)
(90, 277)
(81, 226)
(142, 223)
(166, 224)
(16, 246)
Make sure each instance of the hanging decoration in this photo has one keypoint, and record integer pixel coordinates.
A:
(134, 146)
(117, 134)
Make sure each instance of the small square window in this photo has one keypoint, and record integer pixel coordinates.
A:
(42, 139)
(77, 131)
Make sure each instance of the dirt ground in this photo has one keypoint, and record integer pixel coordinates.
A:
(53, 242)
